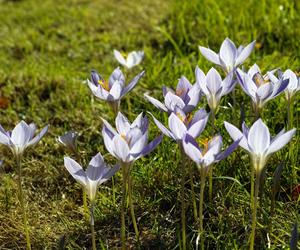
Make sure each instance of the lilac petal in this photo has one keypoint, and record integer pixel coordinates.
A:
(172, 101)
(108, 140)
(194, 97)
(254, 69)
(272, 77)
(210, 55)
(95, 168)
(192, 149)
(162, 128)
(183, 87)
(141, 122)
(214, 81)
(246, 83)
(245, 129)
(121, 148)
(156, 103)
(214, 148)
(166, 90)
(228, 84)
(134, 58)
(259, 137)
(139, 144)
(133, 136)
(116, 91)
(228, 151)
(201, 80)
(21, 134)
(152, 145)
(75, 170)
(236, 134)
(276, 136)
(281, 141)
(97, 90)
(280, 87)
(95, 77)
(293, 80)
(132, 84)
(109, 173)
(110, 130)
(197, 127)
(177, 126)
(264, 91)
(244, 54)
(116, 75)
(119, 57)
(32, 129)
(39, 136)
(228, 52)
(122, 124)
(4, 138)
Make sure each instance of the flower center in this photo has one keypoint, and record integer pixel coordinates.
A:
(180, 91)
(103, 84)
(205, 142)
(259, 80)
(128, 140)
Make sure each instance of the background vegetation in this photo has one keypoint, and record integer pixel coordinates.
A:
(47, 49)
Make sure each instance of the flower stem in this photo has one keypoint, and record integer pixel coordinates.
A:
(252, 182)
(21, 200)
(211, 168)
(193, 193)
(92, 208)
(254, 209)
(290, 113)
(85, 206)
(202, 186)
(123, 204)
(131, 207)
(182, 192)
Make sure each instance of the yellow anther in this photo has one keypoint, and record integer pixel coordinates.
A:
(205, 142)
(103, 84)
(180, 91)
(259, 80)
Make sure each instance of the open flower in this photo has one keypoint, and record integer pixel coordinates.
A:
(258, 141)
(133, 58)
(260, 88)
(113, 89)
(69, 140)
(294, 82)
(96, 173)
(130, 141)
(180, 124)
(186, 97)
(211, 151)
(213, 87)
(229, 56)
(21, 137)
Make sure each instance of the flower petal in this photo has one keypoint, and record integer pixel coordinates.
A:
(119, 57)
(156, 103)
(121, 148)
(210, 55)
(280, 141)
(228, 53)
(162, 128)
(192, 149)
(244, 53)
(122, 124)
(20, 135)
(176, 126)
(38, 137)
(75, 170)
(236, 134)
(95, 168)
(259, 138)
(132, 84)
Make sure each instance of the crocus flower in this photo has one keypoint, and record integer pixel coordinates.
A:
(130, 141)
(133, 58)
(186, 97)
(69, 140)
(211, 151)
(180, 124)
(21, 137)
(113, 89)
(213, 87)
(294, 82)
(260, 88)
(96, 173)
(258, 141)
(229, 56)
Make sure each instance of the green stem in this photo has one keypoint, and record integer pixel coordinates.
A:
(183, 219)
(22, 204)
(252, 182)
(193, 192)
(254, 209)
(123, 204)
(92, 225)
(85, 206)
(290, 113)
(257, 112)
(211, 168)
(202, 186)
(131, 207)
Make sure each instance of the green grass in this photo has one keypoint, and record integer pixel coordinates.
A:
(47, 49)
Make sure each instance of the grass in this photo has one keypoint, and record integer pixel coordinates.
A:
(47, 50)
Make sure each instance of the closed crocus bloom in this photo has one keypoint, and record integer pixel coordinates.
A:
(69, 140)
(179, 124)
(258, 141)
(114, 89)
(213, 87)
(21, 137)
(229, 56)
(260, 88)
(186, 97)
(96, 173)
(133, 58)
(130, 141)
(211, 151)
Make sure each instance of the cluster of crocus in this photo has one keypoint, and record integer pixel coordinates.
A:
(20, 138)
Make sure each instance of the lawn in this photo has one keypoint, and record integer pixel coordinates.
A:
(47, 50)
